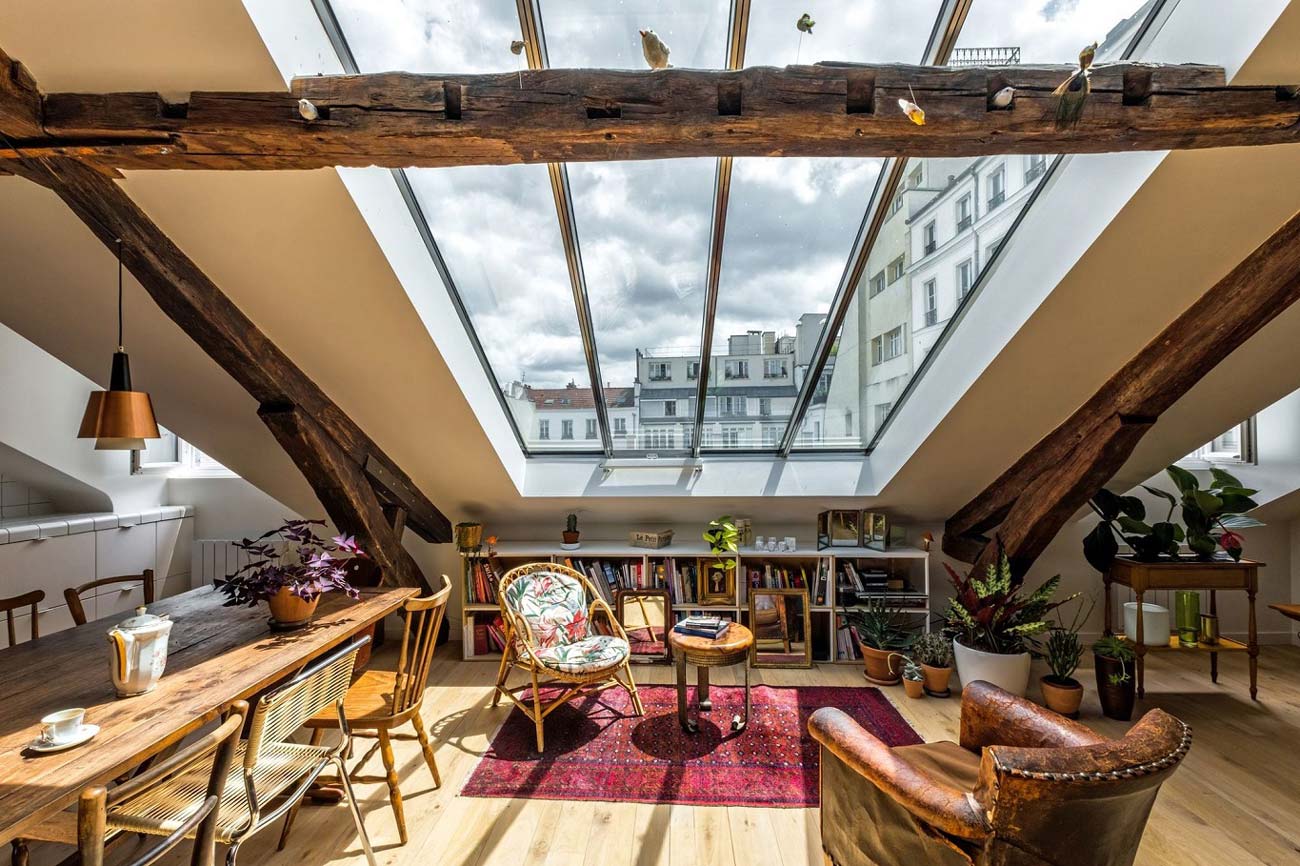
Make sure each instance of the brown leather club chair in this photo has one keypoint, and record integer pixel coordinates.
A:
(1025, 786)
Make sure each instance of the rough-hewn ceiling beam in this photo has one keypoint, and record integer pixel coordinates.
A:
(1029, 503)
(403, 120)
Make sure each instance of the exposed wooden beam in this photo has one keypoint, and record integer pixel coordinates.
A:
(402, 120)
(282, 389)
(1029, 503)
(20, 100)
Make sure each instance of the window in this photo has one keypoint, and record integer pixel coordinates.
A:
(876, 284)
(765, 406)
(172, 455)
(775, 368)
(661, 371)
(733, 406)
(736, 369)
(1233, 446)
(995, 247)
(661, 437)
(929, 237)
(687, 433)
(897, 204)
(731, 436)
(877, 350)
(670, 408)
(770, 435)
(591, 428)
(848, 422)
(914, 178)
(964, 212)
(1035, 167)
(896, 269)
(894, 343)
(620, 426)
(544, 429)
(930, 298)
(566, 429)
(965, 278)
(997, 187)
(881, 412)
(692, 369)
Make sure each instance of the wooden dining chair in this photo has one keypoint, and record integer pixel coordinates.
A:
(9, 605)
(205, 763)
(381, 700)
(73, 594)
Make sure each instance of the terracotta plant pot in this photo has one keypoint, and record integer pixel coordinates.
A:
(569, 537)
(1061, 695)
(936, 681)
(914, 688)
(1116, 698)
(290, 611)
(877, 668)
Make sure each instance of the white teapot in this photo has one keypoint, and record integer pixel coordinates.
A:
(139, 652)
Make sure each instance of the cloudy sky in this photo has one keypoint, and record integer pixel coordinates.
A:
(643, 227)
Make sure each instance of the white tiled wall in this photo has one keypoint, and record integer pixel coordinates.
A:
(19, 500)
(54, 553)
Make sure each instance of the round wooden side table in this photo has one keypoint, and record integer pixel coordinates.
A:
(730, 648)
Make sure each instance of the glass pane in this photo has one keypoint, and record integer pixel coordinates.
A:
(791, 223)
(494, 225)
(948, 221)
(606, 35)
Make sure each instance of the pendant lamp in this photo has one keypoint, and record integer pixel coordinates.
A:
(119, 419)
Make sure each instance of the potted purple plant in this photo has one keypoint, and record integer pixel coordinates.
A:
(290, 568)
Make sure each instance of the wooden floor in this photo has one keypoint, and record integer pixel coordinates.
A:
(1236, 799)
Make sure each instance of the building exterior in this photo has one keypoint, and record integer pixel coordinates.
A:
(564, 419)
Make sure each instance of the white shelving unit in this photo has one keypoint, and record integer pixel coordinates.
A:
(910, 562)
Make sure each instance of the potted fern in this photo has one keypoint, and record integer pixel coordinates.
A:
(993, 622)
(1113, 658)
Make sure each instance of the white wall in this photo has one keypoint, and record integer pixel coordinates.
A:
(227, 506)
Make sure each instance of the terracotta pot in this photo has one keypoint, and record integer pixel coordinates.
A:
(936, 681)
(288, 610)
(569, 537)
(877, 668)
(1116, 698)
(914, 688)
(1061, 695)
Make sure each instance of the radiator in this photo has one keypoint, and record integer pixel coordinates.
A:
(215, 558)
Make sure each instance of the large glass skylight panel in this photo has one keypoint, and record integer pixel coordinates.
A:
(791, 223)
(605, 34)
(495, 226)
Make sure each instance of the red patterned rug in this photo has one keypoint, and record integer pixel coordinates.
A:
(597, 750)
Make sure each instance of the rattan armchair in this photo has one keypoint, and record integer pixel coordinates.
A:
(549, 611)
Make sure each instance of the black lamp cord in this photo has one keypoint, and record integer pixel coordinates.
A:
(120, 344)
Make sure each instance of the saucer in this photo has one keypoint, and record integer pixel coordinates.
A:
(86, 732)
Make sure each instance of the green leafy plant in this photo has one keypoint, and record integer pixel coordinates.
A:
(992, 612)
(1063, 652)
(1114, 647)
(723, 538)
(1212, 514)
(933, 648)
(571, 523)
(911, 668)
(1122, 677)
(879, 624)
(1123, 518)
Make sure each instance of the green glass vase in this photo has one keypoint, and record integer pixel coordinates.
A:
(1187, 616)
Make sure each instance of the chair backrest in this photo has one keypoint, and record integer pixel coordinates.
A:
(215, 750)
(9, 605)
(73, 594)
(1090, 802)
(546, 604)
(419, 639)
(283, 710)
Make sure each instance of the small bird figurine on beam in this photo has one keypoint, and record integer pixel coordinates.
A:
(1073, 92)
(1003, 98)
(308, 111)
(805, 23)
(655, 51)
(517, 46)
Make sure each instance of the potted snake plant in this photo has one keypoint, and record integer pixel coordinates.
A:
(881, 633)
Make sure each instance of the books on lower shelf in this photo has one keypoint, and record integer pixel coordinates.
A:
(846, 641)
(489, 637)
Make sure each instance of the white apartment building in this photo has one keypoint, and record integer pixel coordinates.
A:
(564, 419)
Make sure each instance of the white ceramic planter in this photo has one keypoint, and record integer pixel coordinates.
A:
(1155, 623)
(1008, 672)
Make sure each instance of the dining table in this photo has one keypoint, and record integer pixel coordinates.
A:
(216, 655)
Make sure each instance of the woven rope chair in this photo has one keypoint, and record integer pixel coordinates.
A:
(269, 766)
(549, 613)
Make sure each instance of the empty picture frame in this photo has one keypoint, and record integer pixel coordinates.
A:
(781, 621)
(645, 615)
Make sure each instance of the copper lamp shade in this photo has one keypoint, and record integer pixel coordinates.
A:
(119, 419)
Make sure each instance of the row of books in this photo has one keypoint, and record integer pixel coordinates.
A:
(489, 637)
(608, 576)
(777, 577)
(846, 643)
(483, 580)
(681, 581)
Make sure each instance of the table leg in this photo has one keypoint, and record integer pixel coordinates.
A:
(1141, 649)
(1214, 656)
(687, 725)
(703, 689)
(739, 723)
(1253, 645)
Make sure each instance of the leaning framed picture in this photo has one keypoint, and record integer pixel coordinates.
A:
(717, 582)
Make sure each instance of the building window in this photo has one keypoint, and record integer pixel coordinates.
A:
(687, 433)
(1035, 167)
(848, 422)
(893, 343)
(897, 204)
(881, 412)
(591, 428)
(930, 298)
(914, 178)
(620, 426)
(734, 406)
(995, 247)
(706, 437)
(731, 437)
(775, 368)
(998, 187)
(670, 408)
(543, 429)
(172, 455)
(660, 438)
(765, 406)
(965, 278)
(929, 238)
(877, 350)
(964, 217)
(896, 269)
(876, 284)
(661, 371)
(737, 369)
(692, 369)
(1234, 446)
(770, 435)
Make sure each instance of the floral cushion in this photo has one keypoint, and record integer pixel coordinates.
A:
(596, 653)
(554, 605)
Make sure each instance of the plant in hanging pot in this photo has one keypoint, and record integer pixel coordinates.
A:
(570, 533)
(1212, 514)
(1113, 657)
(993, 623)
(882, 632)
(913, 676)
(933, 650)
(290, 568)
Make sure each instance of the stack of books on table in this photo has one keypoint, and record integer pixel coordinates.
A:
(702, 626)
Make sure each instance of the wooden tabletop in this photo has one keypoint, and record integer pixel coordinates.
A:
(736, 639)
(215, 655)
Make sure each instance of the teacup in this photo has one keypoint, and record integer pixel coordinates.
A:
(60, 727)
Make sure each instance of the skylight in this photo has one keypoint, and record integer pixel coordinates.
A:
(604, 274)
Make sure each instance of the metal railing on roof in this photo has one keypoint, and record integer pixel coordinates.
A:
(1000, 56)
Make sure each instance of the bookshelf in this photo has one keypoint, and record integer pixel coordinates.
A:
(900, 563)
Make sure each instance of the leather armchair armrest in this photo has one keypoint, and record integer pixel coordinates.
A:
(941, 806)
(993, 717)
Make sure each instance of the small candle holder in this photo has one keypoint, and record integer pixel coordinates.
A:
(1209, 629)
